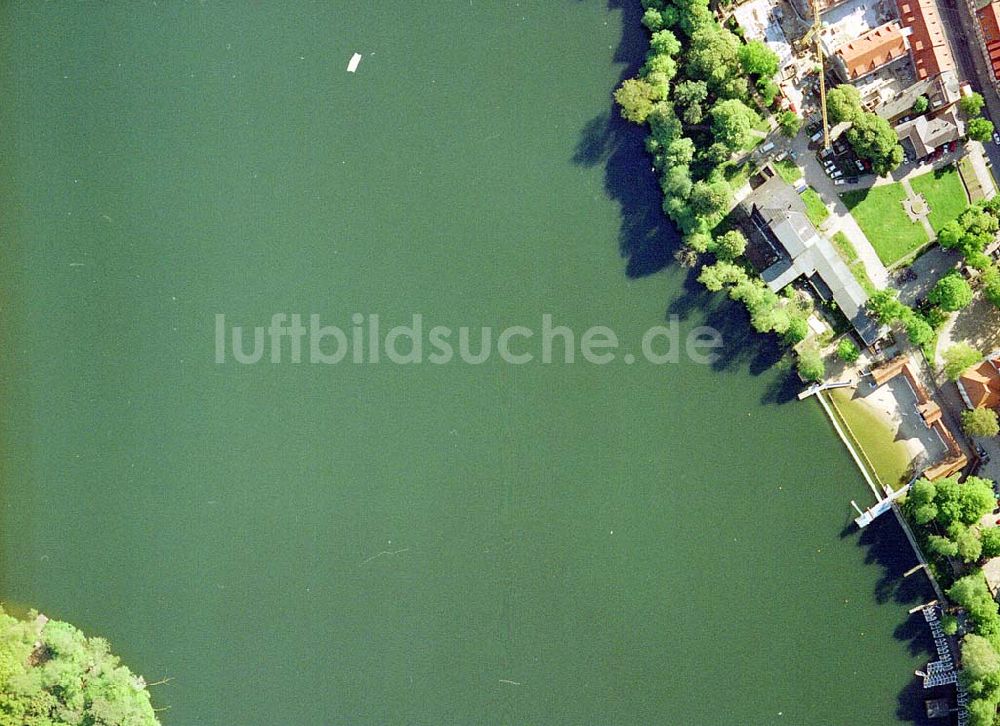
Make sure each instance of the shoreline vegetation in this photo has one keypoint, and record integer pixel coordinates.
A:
(704, 93)
(51, 674)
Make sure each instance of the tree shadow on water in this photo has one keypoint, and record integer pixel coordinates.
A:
(886, 546)
(647, 239)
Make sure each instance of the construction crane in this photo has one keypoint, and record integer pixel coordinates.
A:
(814, 34)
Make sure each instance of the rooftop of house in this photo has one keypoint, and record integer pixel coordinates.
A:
(805, 7)
(941, 91)
(988, 14)
(928, 43)
(925, 134)
(980, 385)
(778, 216)
(876, 48)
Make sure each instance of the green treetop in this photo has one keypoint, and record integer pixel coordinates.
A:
(980, 422)
(52, 675)
(843, 103)
(636, 97)
(951, 293)
(959, 358)
(758, 60)
(979, 129)
(873, 138)
(732, 122)
(971, 105)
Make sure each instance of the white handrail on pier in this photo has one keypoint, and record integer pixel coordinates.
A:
(817, 387)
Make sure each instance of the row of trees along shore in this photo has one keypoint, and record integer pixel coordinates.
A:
(701, 93)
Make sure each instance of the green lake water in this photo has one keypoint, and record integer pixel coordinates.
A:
(573, 544)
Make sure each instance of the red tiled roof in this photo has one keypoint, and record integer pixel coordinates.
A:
(982, 385)
(989, 22)
(931, 53)
(873, 50)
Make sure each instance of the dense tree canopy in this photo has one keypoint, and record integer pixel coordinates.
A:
(971, 232)
(972, 105)
(636, 98)
(811, 366)
(991, 285)
(847, 351)
(798, 330)
(789, 122)
(52, 675)
(758, 60)
(979, 129)
(948, 503)
(872, 138)
(887, 309)
(885, 306)
(958, 358)
(690, 96)
(980, 672)
(951, 293)
(713, 57)
(979, 659)
(991, 542)
(730, 245)
(733, 122)
(980, 422)
(709, 199)
(843, 103)
(693, 92)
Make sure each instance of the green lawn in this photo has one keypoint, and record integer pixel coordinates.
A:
(815, 208)
(736, 175)
(880, 214)
(887, 459)
(854, 263)
(788, 171)
(944, 192)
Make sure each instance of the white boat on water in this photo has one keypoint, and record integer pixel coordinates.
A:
(353, 65)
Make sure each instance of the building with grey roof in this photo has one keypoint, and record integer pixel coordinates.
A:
(923, 134)
(790, 246)
(941, 91)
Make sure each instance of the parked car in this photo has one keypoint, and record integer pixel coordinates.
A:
(838, 181)
(983, 454)
(952, 146)
(852, 179)
(857, 163)
(996, 138)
